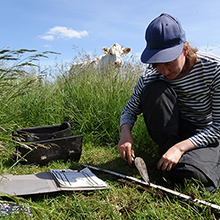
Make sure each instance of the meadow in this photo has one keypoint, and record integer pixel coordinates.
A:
(91, 101)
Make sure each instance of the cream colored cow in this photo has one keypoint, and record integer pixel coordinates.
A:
(112, 57)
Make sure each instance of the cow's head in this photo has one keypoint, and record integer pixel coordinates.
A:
(115, 53)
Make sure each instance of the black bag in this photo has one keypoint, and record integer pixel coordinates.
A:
(48, 143)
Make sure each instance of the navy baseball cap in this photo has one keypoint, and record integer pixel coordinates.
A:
(165, 38)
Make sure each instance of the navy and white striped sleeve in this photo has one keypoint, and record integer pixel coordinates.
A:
(132, 108)
(211, 133)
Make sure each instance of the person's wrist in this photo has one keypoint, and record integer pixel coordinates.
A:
(125, 128)
(185, 146)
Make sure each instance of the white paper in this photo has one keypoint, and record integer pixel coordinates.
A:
(75, 178)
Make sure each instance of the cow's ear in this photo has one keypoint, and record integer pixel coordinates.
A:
(126, 50)
(105, 50)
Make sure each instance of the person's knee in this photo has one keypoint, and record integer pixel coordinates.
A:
(153, 90)
(181, 173)
(158, 94)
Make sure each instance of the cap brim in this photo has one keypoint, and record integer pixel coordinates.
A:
(161, 56)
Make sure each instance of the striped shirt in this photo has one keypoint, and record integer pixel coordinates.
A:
(198, 97)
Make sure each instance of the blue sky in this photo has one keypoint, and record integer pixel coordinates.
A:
(61, 25)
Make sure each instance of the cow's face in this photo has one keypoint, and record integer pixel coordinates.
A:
(115, 53)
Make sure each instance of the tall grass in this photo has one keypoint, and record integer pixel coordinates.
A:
(16, 79)
(92, 101)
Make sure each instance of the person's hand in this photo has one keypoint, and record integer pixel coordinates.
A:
(170, 159)
(173, 155)
(126, 144)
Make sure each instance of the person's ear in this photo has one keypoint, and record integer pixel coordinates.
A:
(186, 50)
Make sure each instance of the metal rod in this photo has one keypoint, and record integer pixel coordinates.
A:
(156, 187)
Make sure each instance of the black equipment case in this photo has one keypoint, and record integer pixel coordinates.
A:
(42, 144)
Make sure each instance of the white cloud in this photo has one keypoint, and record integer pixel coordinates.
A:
(47, 45)
(47, 37)
(63, 32)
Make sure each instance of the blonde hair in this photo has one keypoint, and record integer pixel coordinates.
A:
(191, 53)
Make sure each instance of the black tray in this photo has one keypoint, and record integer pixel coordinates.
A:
(48, 143)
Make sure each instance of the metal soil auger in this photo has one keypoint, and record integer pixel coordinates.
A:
(141, 166)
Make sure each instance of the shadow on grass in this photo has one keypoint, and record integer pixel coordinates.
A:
(105, 158)
(118, 165)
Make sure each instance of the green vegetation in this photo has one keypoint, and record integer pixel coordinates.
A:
(92, 102)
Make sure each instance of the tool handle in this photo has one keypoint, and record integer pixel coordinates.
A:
(156, 187)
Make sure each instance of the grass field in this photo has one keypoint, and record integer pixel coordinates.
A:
(91, 101)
